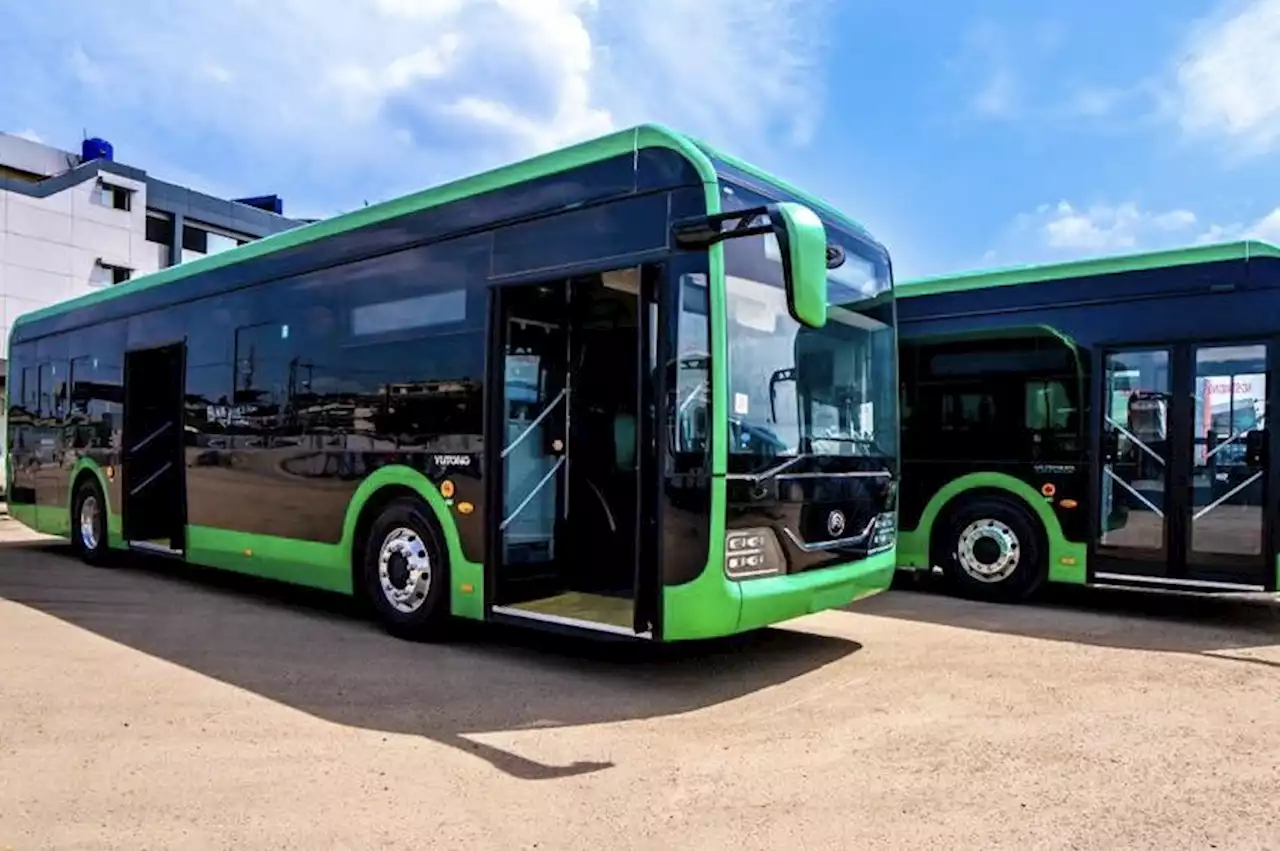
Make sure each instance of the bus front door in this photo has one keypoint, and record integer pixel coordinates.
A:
(565, 500)
(1185, 481)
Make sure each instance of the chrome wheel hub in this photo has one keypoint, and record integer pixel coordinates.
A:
(989, 550)
(90, 515)
(404, 570)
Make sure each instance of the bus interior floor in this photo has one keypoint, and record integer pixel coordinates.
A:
(583, 606)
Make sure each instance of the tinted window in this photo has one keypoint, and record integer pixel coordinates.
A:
(1014, 398)
(582, 236)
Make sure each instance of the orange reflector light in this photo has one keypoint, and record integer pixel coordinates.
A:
(248, 552)
(1048, 489)
(446, 489)
(467, 588)
(1067, 560)
(1068, 503)
(111, 472)
(465, 508)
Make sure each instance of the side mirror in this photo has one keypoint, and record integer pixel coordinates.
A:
(802, 242)
(802, 239)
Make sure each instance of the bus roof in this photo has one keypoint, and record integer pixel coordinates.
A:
(1185, 256)
(698, 153)
(553, 162)
(812, 200)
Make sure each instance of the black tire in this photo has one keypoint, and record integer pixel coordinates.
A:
(89, 522)
(420, 616)
(992, 549)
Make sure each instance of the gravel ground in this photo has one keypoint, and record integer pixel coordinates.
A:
(149, 707)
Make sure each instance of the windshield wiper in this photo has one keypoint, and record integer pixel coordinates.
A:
(773, 471)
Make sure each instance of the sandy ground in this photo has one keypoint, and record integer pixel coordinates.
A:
(149, 708)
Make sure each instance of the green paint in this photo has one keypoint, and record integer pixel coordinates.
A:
(769, 180)
(115, 535)
(462, 572)
(913, 545)
(805, 238)
(1241, 250)
(780, 598)
(622, 142)
(710, 605)
(315, 565)
(24, 514)
(328, 566)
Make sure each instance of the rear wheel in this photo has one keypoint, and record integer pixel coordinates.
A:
(405, 571)
(993, 549)
(89, 522)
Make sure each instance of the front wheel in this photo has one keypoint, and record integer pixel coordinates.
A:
(405, 571)
(992, 549)
(89, 522)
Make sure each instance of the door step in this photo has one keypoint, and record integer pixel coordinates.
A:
(152, 547)
(1197, 585)
(580, 611)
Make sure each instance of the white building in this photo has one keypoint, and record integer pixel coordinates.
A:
(71, 223)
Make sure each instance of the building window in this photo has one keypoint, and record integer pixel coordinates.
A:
(108, 275)
(159, 228)
(160, 231)
(113, 197)
(201, 240)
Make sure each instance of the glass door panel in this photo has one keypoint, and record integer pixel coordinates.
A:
(1135, 452)
(1228, 464)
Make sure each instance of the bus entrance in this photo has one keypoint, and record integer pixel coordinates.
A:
(1185, 480)
(154, 469)
(566, 502)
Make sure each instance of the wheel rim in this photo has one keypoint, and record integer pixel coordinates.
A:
(404, 570)
(988, 550)
(89, 517)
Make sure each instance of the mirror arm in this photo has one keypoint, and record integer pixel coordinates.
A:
(705, 231)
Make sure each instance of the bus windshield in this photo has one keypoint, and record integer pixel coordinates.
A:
(797, 391)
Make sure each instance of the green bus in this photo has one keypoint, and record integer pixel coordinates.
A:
(633, 387)
(1095, 422)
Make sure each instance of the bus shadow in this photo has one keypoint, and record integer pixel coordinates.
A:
(317, 653)
(1103, 617)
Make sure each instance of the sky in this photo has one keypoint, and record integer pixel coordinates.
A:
(963, 135)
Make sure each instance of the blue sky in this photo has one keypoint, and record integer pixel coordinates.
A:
(965, 135)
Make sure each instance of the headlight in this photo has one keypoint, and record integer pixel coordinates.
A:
(752, 553)
(884, 532)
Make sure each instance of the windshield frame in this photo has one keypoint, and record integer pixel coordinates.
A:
(870, 248)
(881, 451)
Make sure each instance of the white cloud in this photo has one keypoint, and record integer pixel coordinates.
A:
(1266, 228)
(1065, 231)
(986, 54)
(1229, 81)
(1103, 227)
(390, 95)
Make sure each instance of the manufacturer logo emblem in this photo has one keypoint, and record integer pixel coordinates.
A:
(835, 524)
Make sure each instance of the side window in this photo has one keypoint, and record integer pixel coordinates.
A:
(97, 385)
(691, 395)
(967, 411)
(1048, 406)
(51, 373)
(412, 342)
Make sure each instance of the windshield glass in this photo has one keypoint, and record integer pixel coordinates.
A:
(798, 391)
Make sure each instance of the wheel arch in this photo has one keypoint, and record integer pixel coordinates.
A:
(976, 485)
(87, 468)
(397, 481)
